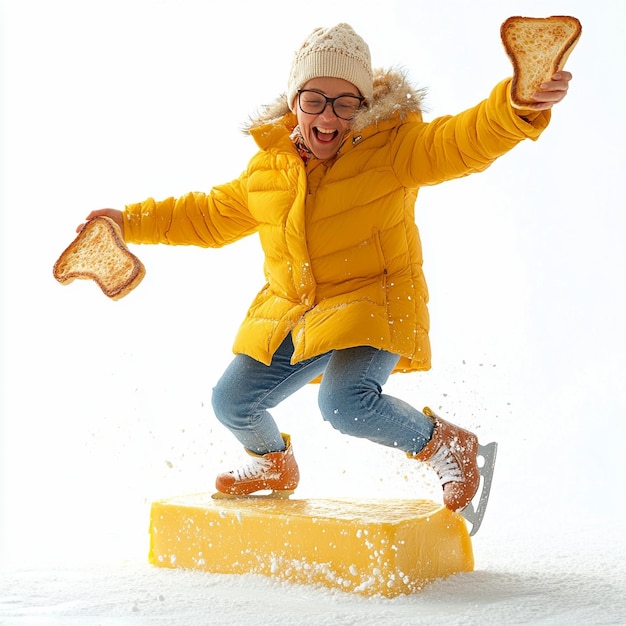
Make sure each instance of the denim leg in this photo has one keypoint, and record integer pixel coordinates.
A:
(248, 388)
(351, 399)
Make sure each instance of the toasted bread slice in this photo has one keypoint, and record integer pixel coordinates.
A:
(538, 47)
(100, 254)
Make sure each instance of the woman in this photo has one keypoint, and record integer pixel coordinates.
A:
(331, 193)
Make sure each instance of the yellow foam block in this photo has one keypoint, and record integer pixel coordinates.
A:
(373, 547)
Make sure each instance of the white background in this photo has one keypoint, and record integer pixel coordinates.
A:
(106, 405)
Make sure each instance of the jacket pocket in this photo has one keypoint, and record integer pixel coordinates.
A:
(382, 264)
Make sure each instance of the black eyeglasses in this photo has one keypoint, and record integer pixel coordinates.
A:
(314, 102)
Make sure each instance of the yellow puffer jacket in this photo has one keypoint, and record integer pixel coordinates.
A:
(343, 259)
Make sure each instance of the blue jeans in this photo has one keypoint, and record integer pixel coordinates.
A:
(350, 398)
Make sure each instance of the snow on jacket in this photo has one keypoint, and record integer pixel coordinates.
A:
(343, 258)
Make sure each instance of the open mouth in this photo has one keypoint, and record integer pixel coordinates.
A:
(325, 136)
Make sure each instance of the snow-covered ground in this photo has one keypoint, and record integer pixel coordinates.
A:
(106, 405)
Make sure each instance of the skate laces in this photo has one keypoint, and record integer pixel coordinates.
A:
(446, 466)
(254, 469)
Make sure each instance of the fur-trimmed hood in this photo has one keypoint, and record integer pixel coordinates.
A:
(394, 96)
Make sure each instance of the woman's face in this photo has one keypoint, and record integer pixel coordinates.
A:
(323, 133)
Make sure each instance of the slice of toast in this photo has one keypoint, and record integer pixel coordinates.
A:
(100, 254)
(538, 47)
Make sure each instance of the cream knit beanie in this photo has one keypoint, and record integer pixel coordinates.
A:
(336, 52)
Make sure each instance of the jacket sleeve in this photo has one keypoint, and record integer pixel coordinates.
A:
(455, 146)
(208, 220)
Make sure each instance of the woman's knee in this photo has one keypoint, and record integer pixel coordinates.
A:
(340, 407)
(351, 388)
(227, 405)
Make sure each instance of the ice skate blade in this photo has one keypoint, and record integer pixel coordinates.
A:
(273, 495)
(475, 515)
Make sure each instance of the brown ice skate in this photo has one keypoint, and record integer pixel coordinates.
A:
(275, 471)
